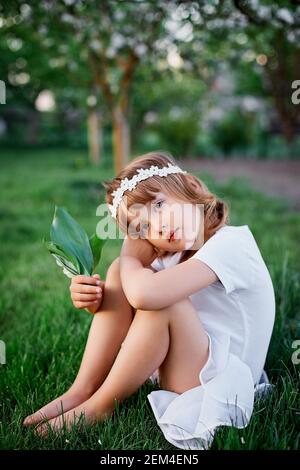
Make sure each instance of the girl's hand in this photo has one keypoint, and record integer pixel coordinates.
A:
(87, 292)
(139, 248)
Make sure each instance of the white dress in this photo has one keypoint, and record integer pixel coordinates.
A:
(238, 313)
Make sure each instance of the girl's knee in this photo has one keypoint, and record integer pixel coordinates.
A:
(180, 307)
(113, 271)
(151, 315)
(114, 266)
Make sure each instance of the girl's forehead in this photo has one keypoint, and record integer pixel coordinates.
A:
(159, 194)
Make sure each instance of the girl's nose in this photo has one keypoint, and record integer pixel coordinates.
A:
(163, 230)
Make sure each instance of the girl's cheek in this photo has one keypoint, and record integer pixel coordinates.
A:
(188, 244)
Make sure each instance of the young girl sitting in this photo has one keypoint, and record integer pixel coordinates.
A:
(189, 304)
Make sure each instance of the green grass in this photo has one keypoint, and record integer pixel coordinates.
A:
(45, 335)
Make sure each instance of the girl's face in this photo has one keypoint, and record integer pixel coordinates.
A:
(167, 223)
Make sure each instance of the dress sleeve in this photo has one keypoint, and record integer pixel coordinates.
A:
(157, 264)
(166, 261)
(229, 256)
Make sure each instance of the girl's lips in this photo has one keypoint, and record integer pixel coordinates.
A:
(171, 239)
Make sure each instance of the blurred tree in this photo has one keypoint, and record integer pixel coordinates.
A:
(263, 33)
(273, 31)
(118, 61)
(234, 132)
(15, 54)
(170, 110)
(111, 38)
(52, 60)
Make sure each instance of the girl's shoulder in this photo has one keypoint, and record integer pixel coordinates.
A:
(232, 229)
(233, 233)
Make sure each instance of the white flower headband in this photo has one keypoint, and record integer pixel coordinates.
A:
(130, 184)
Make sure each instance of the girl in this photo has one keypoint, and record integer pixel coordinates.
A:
(188, 304)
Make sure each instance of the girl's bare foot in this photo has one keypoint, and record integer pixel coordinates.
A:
(56, 407)
(75, 417)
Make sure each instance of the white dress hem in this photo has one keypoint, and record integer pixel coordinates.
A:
(224, 398)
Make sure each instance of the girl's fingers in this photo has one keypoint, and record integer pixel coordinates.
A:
(81, 279)
(85, 297)
(83, 289)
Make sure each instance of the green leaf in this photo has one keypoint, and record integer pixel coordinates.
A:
(70, 237)
(71, 247)
(69, 260)
(96, 244)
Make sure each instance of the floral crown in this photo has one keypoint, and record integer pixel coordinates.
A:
(142, 174)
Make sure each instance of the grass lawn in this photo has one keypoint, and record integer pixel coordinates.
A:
(45, 335)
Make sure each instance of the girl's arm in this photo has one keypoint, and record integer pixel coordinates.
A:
(148, 290)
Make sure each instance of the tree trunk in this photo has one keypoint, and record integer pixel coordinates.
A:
(94, 136)
(280, 74)
(121, 139)
(288, 129)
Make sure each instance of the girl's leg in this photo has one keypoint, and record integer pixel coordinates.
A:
(108, 329)
(171, 339)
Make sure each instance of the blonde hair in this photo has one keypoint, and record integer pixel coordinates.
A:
(182, 186)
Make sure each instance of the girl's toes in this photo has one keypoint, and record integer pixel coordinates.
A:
(33, 419)
(41, 430)
(27, 421)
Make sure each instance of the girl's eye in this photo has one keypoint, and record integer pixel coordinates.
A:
(159, 202)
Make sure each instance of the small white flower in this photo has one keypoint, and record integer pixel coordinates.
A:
(141, 174)
(100, 442)
(242, 440)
